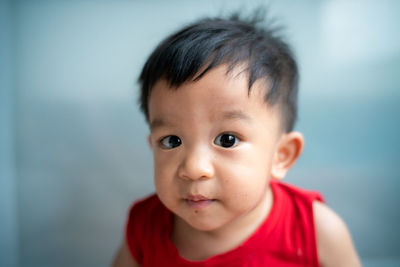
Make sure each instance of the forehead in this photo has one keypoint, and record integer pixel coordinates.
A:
(217, 94)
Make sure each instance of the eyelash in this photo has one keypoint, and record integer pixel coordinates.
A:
(176, 142)
(236, 139)
(165, 146)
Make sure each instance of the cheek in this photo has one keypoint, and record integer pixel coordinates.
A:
(243, 195)
(165, 167)
(245, 180)
(163, 164)
(249, 163)
(246, 175)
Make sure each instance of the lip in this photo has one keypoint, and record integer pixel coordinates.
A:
(198, 201)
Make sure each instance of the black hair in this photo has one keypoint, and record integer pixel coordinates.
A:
(211, 42)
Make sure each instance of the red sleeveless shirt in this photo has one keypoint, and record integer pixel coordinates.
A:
(286, 238)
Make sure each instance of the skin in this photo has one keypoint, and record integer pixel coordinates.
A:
(219, 190)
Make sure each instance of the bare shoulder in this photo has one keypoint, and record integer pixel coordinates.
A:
(124, 258)
(335, 246)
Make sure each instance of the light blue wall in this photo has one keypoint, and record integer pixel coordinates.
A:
(8, 190)
(81, 152)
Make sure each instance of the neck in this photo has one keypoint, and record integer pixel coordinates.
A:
(199, 245)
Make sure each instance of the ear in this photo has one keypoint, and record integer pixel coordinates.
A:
(288, 151)
(149, 140)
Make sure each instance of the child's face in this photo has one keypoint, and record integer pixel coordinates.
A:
(214, 146)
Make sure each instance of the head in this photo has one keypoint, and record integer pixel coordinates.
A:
(198, 48)
(220, 97)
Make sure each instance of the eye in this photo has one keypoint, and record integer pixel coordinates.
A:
(170, 142)
(226, 140)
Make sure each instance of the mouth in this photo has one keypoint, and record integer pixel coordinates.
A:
(199, 201)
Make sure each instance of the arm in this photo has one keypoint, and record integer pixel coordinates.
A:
(124, 258)
(335, 246)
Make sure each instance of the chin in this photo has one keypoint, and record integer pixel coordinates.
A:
(202, 226)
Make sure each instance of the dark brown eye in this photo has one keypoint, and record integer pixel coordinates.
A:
(226, 140)
(170, 142)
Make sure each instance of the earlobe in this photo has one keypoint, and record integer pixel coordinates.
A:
(288, 151)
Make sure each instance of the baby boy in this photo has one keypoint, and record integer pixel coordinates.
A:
(220, 97)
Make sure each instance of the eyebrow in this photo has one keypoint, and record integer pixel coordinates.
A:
(227, 115)
(236, 115)
(157, 123)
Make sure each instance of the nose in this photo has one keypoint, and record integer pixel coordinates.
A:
(196, 165)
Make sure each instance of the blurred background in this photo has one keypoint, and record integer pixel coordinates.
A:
(73, 149)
